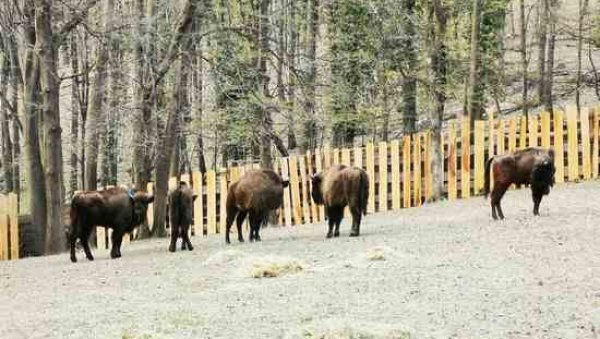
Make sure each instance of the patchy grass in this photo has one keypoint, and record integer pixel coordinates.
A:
(274, 268)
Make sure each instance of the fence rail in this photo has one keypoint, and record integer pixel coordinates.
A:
(399, 171)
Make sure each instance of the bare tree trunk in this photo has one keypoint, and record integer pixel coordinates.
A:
(197, 92)
(74, 166)
(524, 62)
(7, 146)
(312, 26)
(549, 74)
(409, 82)
(583, 8)
(475, 92)
(542, 42)
(16, 83)
(439, 62)
(95, 116)
(266, 159)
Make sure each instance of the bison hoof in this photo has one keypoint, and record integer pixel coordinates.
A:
(241, 239)
(336, 234)
(257, 238)
(90, 258)
(354, 234)
(73, 259)
(115, 255)
(329, 235)
(190, 248)
(171, 249)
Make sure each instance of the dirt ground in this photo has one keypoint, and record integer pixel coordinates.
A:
(441, 271)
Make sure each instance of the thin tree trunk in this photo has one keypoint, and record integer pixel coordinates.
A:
(549, 74)
(266, 159)
(542, 42)
(583, 8)
(7, 146)
(409, 82)
(74, 166)
(523, 36)
(310, 125)
(197, 93)
(16, 83)
(475, 92)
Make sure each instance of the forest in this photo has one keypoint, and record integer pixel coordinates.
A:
(126, 92)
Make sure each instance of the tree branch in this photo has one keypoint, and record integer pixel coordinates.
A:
(71, 24)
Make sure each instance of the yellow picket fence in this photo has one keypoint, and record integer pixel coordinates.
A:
(9, 227)
(399, 171)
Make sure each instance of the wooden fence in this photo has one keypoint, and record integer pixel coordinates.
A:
(9, 227)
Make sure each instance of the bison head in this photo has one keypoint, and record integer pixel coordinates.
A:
(140, 203)
(543, 174)
(316, 192)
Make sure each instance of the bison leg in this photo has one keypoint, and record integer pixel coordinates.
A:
(117, 239)
(330, 221)
(497, 194)
(537, 199)
(335, 214)
(73, 242)
(186, 238)
(255, 221)
(84, 235)
(356, 218)
(231, 213)
(239, 222)
(174, 237)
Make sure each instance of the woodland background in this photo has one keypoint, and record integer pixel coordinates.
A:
(105, 92)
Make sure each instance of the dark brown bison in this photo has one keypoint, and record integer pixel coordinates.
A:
(531, 166)
(338, 187)
(116, 208)
(256, 194)
(181, 207)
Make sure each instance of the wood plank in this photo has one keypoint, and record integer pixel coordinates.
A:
(512, 134)
(523, 133)
(427, 175)
(326, 157)
(500, 145)
(595, 143)
(314, 211)
(559, 159)
(586, 164)
(319, 169)
(287, 200)
(4, 250)
(101, 241)
(465, 174)
(211, 202)
(304, 185)
(198, 203)
(383, 177)
(406, 173)
(295, 190)
(417, 180)
(492, 134)
(572, 146)
(451, 137)
(395, 155)
(150, 209)
(13, 218)
(223, 185)
(346, 157)
(479, 166)
(533, 131)
(358, 157)
(336, 156)
(370, 149)
(545, 129)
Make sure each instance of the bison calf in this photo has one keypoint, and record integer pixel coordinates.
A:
(256, 194)
(338, 187)
(181, 207)
(531, 166)
(116, 208)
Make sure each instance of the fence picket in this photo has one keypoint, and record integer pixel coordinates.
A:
(319, 168)
(383, 177)
(559, 155)
(479, 155)
(346, 157)
(287, 203)
(500, 145)
(395, 155)
(451, 137)
(572, 147)
(523, 133)
(427, 176)
(465, 174)
(416, 187)
(533, 131)
(314, 211)
(512, 134)
(222, 201)
(358, 157)
(406, 159)
(586, 165)
(596, 144)
(198, 203)
(13, 218)
(371, 173)
(211, 202)
(545, 129)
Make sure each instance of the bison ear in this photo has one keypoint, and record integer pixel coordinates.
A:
(285, 183)
(194, 197)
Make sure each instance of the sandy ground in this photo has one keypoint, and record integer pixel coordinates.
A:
(442, 271)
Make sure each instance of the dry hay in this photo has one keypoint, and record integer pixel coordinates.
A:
(346, 329)
(271, 267)
(376, 254)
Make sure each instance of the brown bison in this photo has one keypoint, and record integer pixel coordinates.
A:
(338, 187)
(531, 166)
(116, 208)
(256, 194)
(181, 207)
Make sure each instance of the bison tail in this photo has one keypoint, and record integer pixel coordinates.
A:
(486, 178)
(363, 192)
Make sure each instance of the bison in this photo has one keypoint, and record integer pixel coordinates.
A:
(181, 206)
(117, 208)
(256, 194)
(338, 187)
(531, 166)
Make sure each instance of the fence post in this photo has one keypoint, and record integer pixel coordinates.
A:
(395, 155)
(383, 177)
(336, 156)
(314, 212)
(305, 197)
(465, 175)
(222, 200)
(585, 144)
(371, 173)
(198, 203)
(319, 168)
(533, 131)
(13, 218)
(512, 134)
(358, 157)
(500, 146)
(572, 147)
(406, 174)
(545, 122)
(452, 194)
(559, 155)
(595, 146)
(428, 178)
(417, 169)
(211, 202)
(287, 204)
(346, 156)
(326, 157)
(4, 250)
(479, 155)
(295, 189)
(523, 133)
